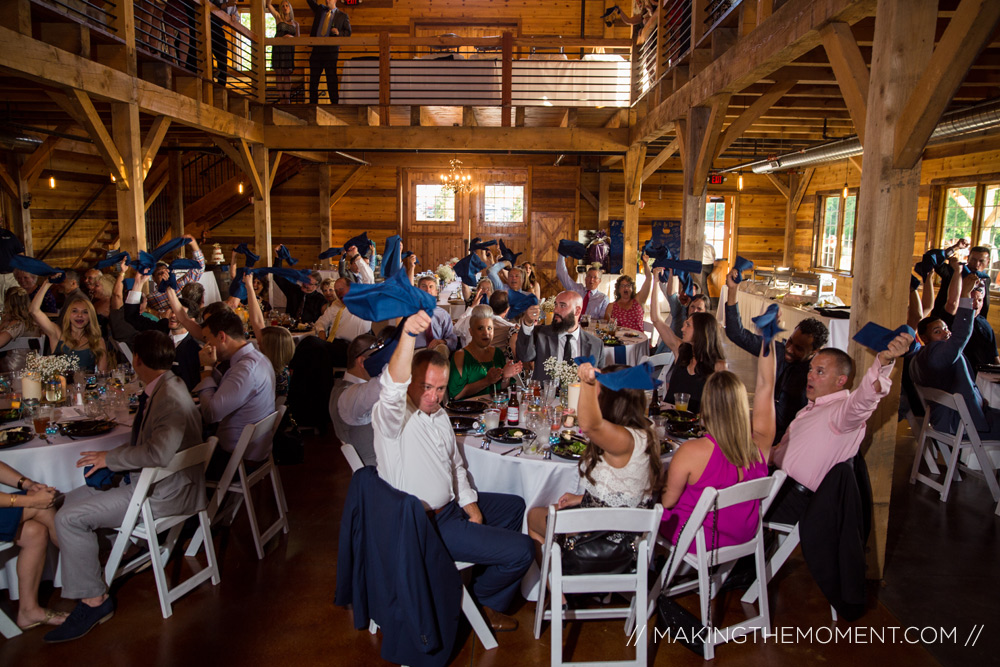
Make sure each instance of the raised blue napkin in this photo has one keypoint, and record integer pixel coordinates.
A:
(767, 324)
(331, 252)
(931, 261)
(286, 256)
(379, 359)
(468, 267)
(507, 254)
(244, 250)
(742, 264)
(478, 244)
(236, 287)
(112, 259)
(519, 303)
(656, 250)
(682, 268)
(638, 377)
(407, 254)
(391, 260)
(981, 274)
(36, 267)
(171, 281)
(877, 338)
(574, 249)
(361, 242)
(184, 264)
(914, 283)
(170, 246)
(394, 297)
(589, 359)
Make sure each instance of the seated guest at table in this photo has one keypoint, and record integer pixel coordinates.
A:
(482, 295)
(417, 454)
(100, 295)
(68, 289)
(28, 519)
(243, 394)
(326, 288)
(157, 300)
(794, 356)
(504, 331)
(621, 465)
(186, 365)
(698, 352)
(681, 305)
(479, 368)
(277, 345)
(353, 398)
(90, 278)
(337, 323)
(441, 332)
(531, 284)
(29, 283)
(355, 268)
(627, 307)
(563, 339)
(17, 322)
(829, 430)
(195, 293)
(734, 449)
(303, 302)
(484, 290)
(167, 422)
(594, 301)
(79, 335)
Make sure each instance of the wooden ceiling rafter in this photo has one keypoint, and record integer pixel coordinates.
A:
(851, 71)
(81, 108)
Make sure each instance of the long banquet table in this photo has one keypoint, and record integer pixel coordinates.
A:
(752, 305)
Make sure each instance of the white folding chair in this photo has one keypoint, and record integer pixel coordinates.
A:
(132, 530)
(8, 628)
(626, 520)
(124, 349)
(951, 444)
(469, 608)
(229, 483)
(36, 343)
(706, 583)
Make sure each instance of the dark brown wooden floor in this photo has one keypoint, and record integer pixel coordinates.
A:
(940, 572)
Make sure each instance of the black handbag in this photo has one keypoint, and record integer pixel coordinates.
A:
(603, 552)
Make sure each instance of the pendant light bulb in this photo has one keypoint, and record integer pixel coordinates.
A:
(240, 188)
(845, 191)
(739, 182)
(52, 182)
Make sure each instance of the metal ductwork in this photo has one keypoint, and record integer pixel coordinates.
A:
(980, 117)
(18, 142)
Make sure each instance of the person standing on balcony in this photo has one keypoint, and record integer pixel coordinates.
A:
(328, 21)
(220, 42)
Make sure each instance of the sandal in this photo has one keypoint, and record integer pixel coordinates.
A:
(49, 615)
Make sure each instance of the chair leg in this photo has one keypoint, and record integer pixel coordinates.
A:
(213, 560)
(556, 626)
(476, 620)
(989, 470)
(705, 600)
(785, 549)
(760, 560)
(8, 628)
(157, 561)
(252, 515)
(950, 475)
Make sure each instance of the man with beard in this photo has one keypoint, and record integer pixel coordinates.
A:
(563, 339)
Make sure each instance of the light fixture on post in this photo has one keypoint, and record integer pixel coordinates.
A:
(240, 187)
(52, 182)
(455, 181)
(846, 168)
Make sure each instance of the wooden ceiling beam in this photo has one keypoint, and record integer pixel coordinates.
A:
(800, 190)
(347, 185)
(32, 167)
(754, 112)
(154, 139)
(275, 161)
(244, 150)
(781, 186)
(967, 33)
(851, 71)
(80, 107)
(709, 149)
(660, 158)
(8, 182)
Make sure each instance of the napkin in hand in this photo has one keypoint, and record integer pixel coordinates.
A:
(285, 255)
(36, 267)
(506, 254)
(742, 264)
(478, 244)
(331, 252)
(768, 326)
(394, 297)
(468, 267)
(244, 250)
(391, 260)
(931, 261)
(168, 247)
(519, 303)
(637, 377)
(112, 259)
(877, 338)
(407, 254)
(574, 249)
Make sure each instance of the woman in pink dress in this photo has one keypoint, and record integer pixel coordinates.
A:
(627, 308)
(734, 450)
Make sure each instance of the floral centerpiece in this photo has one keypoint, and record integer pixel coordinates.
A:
(548, 304)
(53, 366)
(563, 372)
(446, 273)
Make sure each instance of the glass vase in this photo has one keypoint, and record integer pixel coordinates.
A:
(54, 389)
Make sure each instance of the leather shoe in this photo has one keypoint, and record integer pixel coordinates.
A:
(500, 622)
(81, 620)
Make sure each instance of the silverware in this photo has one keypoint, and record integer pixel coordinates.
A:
(515, 449)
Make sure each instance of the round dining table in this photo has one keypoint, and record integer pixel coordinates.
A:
(634, 346)
(53, 462)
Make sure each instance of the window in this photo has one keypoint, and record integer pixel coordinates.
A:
(971, 211)
(715, 226)
(503, 203)
(835, 232)
(435, 204)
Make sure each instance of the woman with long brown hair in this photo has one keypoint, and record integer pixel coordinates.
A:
(80, 334)
(697, 353)
(16, 322)
(621, 465)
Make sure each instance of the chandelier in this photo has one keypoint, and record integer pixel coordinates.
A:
(455, 181)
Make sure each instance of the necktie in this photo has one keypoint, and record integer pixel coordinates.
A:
(137, 421)
(568, 348)
(325, 24)
(586, 301)
(336, 324)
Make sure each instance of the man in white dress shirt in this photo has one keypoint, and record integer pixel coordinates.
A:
(338, 323)
(417, 453)
(595, 302)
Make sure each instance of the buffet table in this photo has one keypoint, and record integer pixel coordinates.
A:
(752, 305)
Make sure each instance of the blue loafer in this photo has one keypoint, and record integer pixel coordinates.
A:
(81, 620)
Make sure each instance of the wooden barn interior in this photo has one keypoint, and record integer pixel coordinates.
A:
(838, 137)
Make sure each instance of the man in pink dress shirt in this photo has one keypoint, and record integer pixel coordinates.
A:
(829, 429)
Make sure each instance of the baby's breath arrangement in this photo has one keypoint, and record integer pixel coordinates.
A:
(563, 372)
(51, 366)
(548, 304)
(445, 273)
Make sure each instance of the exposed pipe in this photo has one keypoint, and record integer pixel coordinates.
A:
(20, 143)
(981, 116)
(351, 157)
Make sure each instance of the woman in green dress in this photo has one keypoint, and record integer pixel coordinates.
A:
(479, 367)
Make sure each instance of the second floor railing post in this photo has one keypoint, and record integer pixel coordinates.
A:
(506, 78)
(384, 77)
(259, 51)
(205, 53)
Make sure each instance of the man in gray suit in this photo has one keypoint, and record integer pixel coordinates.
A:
(167, 422)
(563, 339)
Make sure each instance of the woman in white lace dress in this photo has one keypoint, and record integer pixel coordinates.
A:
(621, 466)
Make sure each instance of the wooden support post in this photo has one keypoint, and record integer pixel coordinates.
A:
(262, 202)
(415, 115)
(16, 15)
(384, 77)
(131, 209)
(20, 221)
(469, 117)
(258, 50)
(604, 190)
(886, 217)
(205, 67)
(793, 185)
(175, 192)
(72, 37)
(325, 221)
(635, 158)
(695, 191)
(124, 24)
(506, 78)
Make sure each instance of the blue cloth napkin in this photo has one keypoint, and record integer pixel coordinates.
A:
(468, 267)
(519, 303)
(103, 479)
(379, 359)
(589, 359)
(145, 264)
(113, 259)
(171, 281)
(877, 338)
(478, 244)
(508, 254)
(682, 268)
(285, 255)
(300, 276)
(407, 254)
(331, 252)
(394, 297)
(656, 250)
(574, 249)
(638, 377)
(768, 326)
(184, 264)
(36, 267)
(981, 274)
(931, 261)
(244, 250)
(361, 242)
(170, 246)
(236, 286)
(742, 264)
(914, 283)
(391, 260)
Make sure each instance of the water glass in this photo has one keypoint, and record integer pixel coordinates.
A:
(491, 418)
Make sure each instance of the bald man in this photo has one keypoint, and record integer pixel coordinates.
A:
(563, 339)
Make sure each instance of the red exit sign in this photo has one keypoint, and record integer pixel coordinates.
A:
(716, 179)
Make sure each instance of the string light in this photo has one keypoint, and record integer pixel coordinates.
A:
(52, 182)
(240, 187)
(112, 178)
(739, 182)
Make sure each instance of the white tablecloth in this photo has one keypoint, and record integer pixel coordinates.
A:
(635, 348)
(54, 465)
(211, 286)
(752, 305)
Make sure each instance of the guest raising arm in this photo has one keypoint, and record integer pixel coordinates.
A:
(80, 334)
